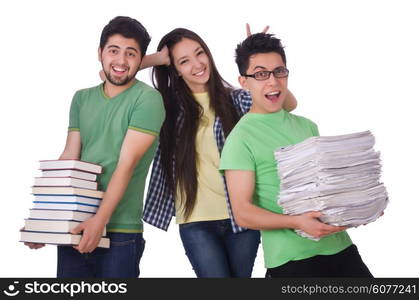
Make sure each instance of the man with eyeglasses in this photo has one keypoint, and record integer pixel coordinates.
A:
(251, 172)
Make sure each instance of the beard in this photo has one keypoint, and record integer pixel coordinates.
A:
(116, 80)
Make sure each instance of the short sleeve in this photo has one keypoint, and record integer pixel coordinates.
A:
(314, 129)
(148, 114)
(237, 154)
(74, 124)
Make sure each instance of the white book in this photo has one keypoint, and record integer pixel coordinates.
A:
(70, 164)
(57, 238)
(66, 206)
(68, 199)
(66, 190)
(65, 181)
(69, 173)
(64, 226)
(54, 214)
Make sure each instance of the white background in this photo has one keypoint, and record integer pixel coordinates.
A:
(353, 67)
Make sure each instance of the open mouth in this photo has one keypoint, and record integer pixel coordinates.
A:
(273, 96)
(119, 70)
(200, 73)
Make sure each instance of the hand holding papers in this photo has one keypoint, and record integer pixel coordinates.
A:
(337, 175)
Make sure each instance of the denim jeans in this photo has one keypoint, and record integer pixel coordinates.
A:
(215, 251)
(122, 259)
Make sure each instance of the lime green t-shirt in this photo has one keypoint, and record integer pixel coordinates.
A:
(103, 123)
(250, 146)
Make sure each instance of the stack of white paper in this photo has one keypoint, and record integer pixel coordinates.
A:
(337, 175)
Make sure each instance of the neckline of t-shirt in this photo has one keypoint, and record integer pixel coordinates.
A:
(202, 98)
(267, 115)
(102, 89)
(200, 94)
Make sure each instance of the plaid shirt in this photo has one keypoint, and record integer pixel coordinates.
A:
(159, 206)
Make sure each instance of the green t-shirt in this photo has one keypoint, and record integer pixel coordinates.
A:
(103, 123)
(250, 146)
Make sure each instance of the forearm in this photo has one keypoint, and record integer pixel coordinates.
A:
(240, 185)
(148, 61)
(114, 192)
(135, 145)
(251, 216)
(156, 59)
(69, 155)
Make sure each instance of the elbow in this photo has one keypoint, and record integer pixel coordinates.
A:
(242, 220)
(292, 106)
(246, 224)
(238, 217)
(290, 103)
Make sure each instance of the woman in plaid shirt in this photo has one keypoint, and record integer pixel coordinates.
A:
(201, 110)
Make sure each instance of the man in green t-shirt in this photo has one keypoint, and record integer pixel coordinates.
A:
(116, 125)
(251, 172)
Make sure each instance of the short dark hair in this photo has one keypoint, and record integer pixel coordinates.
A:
(257, 43)
(128, 28)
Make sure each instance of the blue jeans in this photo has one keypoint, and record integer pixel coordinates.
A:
(122, 259)
(215, 251)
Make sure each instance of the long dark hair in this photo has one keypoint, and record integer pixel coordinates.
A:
(177, 141)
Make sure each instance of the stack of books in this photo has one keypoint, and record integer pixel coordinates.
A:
(64, 196)
(336, 175)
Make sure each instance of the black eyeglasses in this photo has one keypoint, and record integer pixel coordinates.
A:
(279, 72)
